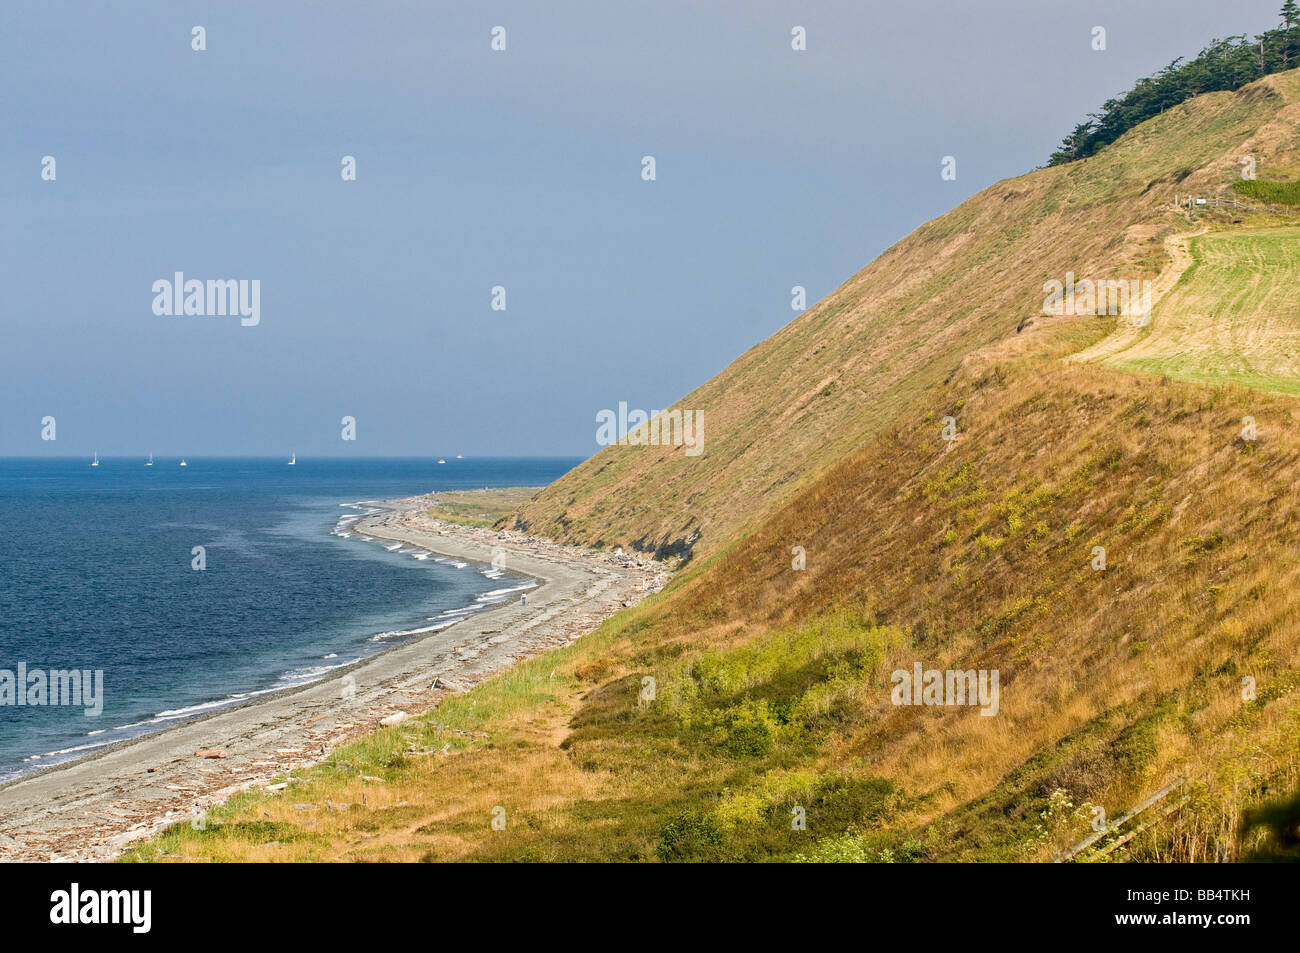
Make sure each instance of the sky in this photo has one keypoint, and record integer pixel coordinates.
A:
(477, 168)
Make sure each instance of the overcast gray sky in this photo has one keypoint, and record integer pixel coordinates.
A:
(478, 168)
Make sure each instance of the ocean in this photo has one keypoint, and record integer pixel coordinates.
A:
(97, 574)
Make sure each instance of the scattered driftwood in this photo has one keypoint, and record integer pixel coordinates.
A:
(1114, 826)
(252, 763)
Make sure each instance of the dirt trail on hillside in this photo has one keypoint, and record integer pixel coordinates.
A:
(1126, 332)
(91, 809)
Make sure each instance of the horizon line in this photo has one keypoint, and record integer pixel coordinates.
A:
(247, 456)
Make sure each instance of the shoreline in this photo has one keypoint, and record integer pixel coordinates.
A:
(92, 807)
(252, 696)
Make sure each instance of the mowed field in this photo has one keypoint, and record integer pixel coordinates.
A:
(1233, 317)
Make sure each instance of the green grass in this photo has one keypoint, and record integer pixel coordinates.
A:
(1233, 317)
(479, 508)
(710, 770)
(1274, 193)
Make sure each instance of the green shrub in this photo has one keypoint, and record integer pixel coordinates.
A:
(1274, 193)
(687, 835)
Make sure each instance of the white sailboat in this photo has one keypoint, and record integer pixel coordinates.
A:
(184, 464)
(95, 462)
(293, 459)
(150, 463)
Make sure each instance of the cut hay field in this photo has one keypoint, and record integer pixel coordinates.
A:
(1233, 317)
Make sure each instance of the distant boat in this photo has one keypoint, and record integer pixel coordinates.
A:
(184, 464)
(442, 461)
(150, 463)
(459, 457)
(95, 462)
(293, 459)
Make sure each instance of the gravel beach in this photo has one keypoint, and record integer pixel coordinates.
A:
(92, 808)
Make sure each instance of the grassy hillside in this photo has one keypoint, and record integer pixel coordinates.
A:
(858, 361)
(772, 686)
(1177, 658)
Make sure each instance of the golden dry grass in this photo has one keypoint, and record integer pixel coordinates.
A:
(479, 507)
(978, 554)
(970, 553)
(850, 366)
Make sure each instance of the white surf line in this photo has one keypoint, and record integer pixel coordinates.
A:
(49, 803)
(401, 535)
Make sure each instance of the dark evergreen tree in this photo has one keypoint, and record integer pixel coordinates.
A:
(1225, 64)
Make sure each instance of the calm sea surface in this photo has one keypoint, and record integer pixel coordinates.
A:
(96, 574)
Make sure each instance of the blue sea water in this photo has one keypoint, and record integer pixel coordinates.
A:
(96, 574)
